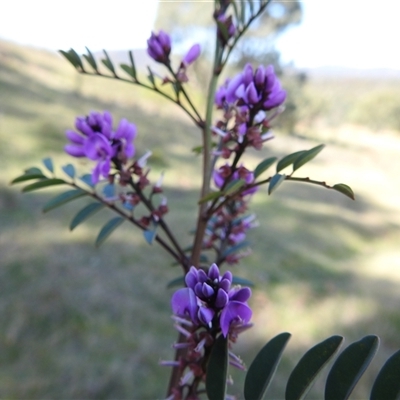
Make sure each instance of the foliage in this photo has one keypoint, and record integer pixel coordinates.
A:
(209, 313)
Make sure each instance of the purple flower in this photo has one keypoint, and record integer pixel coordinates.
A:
(192, 55)
(97, 141)
(159, 47)
(209, 301)
(260, 89)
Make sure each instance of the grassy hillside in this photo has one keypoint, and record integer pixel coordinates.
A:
(85, 323)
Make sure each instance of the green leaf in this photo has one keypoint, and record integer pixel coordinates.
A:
(263, 367)
(150, 234)
(63, 198)
(108, 229)
(132, 63)
(91, 60)
(151, 78)
(33, 170)
(223, 30)
(87, 179)
(69, 169)
(344, 189)
(310, 366)
(275, 182)
(72, 56)
(387, 383)
(176, 282)
(43, 184)
(84, 214)
(217, 370)
(27, 177)
(263, 166)
(211, 196)
(129, 70)
(237, 280)
(288, 160)
(108, 63)
(349, 367)
(234, 186)
(307, 156)
(48, 163)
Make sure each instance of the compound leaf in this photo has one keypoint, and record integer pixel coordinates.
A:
(63, 198)
(84, 214)
(108, 229)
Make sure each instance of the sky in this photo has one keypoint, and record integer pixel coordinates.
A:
(347, 33)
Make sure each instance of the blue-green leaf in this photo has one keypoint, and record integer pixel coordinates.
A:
(310, 366)
(69, 169)
(91, 60)
(33, 170)
(307, 156)
(211, 196)
(84, 214)
(345, 189)
(109, 190)
(132, 64)
(72, 56)
(263, 166)
(234, 186)
(43, 184)
(263, 367)
(151, 233)
(48, 163)
(63, 198)
(108, 63)
(217, 370)
(28, 177)
(349, 367)
(387, 383)
(288, 160)
(87, 179)
(275, 182)
(108, 229)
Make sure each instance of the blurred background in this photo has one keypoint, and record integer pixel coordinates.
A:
(80, 322)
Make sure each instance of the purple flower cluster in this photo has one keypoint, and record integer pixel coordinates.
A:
(255, 90)
(96, 140)
(210, 302)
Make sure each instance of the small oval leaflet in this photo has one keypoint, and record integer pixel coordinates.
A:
(275, 182)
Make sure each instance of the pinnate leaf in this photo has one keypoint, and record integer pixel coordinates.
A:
(263, 166)
(84, 214)
(91, 60)
(63, 198)
(234, 186)
(349, 367)
(275, 182)
(387, 383)
(27, 177)
(263, 367)
(211, 196)
(345, 189)
(108, 229)
(43, 183)
(69, 169)
(108, 63)
(72, 56)
(48, 163)
(310, 366)
(288, 160)
(217, 370)
(307, 156)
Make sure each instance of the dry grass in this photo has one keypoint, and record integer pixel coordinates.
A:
(85, 323)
